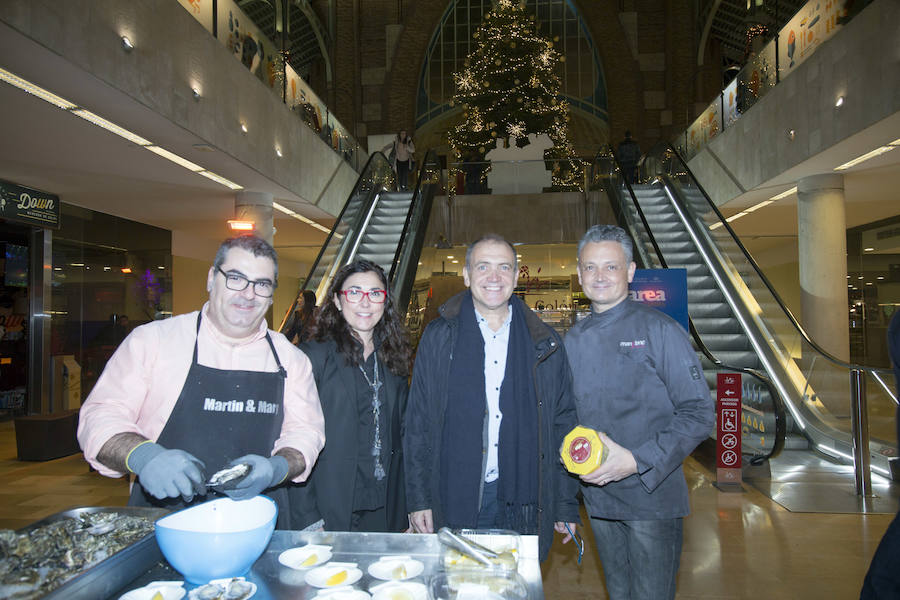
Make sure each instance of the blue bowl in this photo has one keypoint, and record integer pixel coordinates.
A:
(217, 539)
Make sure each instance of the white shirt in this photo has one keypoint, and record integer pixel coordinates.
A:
(496, 344)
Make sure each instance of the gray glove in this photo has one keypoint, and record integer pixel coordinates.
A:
(167, 473)
(264, 473)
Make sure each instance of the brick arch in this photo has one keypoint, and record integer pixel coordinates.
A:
(623, 80)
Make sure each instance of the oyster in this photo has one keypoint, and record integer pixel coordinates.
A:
(236, 589)
(228, 477)
(39, 560)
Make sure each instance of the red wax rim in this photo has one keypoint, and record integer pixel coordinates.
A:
(580, 450)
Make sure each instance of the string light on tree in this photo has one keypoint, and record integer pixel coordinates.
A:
(510, 81)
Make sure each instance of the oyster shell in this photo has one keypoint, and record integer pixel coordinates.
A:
(228, 477)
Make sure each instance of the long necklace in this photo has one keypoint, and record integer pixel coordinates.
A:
(375, 385)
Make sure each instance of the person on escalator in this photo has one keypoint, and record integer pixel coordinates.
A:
(883, 579)
(184, 397)
(401, 156)
(628, 153)
(636, 380)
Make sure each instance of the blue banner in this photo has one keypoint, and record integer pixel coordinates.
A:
(664, 289)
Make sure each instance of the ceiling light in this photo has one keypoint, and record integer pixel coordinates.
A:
(456, 262)
(715, 225)
(868, 283)
(111, 127)
(278, 151)
(126, 270)
(758, 206)
(220, 179)
(27, 86)
(175, 158)
(880, 277)
(244, 127)
(876, 152)
(860, 277)
(161, 268)
(868, 249)
(791, 134)
(449, 256)
(107, 268)
(839, 102)
(126, 43)
(303, 219)
(236, 225)
(784, 194)
(196, 93)
(736, 216)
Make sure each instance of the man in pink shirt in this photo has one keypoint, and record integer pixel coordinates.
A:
(185, 397)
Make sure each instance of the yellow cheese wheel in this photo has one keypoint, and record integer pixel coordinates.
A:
(582, 450)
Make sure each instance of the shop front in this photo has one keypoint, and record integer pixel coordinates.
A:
(74, 282)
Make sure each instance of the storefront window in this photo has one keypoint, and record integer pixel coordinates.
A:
(548, 284)
(873, 288)
(109, 276)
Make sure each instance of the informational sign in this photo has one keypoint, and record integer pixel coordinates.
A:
(25, 205)
(663, 289)
(728, 429)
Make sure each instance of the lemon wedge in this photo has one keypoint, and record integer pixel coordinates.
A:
(310, 560)
(337, 579)
(399, 572)
(157, 596)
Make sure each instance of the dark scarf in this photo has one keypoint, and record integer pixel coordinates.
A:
(462, 443)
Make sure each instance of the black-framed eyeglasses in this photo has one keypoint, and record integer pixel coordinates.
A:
(238, 283)
(354, 295)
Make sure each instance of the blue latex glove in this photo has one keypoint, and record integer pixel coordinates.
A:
(265, 473)
(167, 473)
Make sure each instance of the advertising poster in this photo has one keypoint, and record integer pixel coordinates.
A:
(813, 24)
(729, 96)
(706, 127)
(663, 289)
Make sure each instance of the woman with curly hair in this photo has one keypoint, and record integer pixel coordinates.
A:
(360, 357)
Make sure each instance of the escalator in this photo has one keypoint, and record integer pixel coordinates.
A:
(795, 395)
(379, 224)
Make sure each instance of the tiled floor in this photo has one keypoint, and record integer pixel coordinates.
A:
(736, 545)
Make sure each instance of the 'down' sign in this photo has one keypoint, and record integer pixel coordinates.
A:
(26, 205)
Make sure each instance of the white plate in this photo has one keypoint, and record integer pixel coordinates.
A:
(224, 583)
(294, 557)
(319, 576)
(385, 566)
(345, 593)
(169, 590)
(399, 589)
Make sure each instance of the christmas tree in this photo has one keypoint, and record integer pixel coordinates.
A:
(508, 88)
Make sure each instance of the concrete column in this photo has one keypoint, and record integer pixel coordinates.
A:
(256, 207)
(822, 240)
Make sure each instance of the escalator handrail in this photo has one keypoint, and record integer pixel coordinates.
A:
(790, 315)
(374, 157)
(778, 403)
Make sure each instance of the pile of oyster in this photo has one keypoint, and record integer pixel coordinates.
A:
(39, 560)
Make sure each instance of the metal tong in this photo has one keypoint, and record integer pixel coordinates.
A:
(466, 546)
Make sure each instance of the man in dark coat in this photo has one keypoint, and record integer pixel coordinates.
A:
(883, 578)
(489, 405)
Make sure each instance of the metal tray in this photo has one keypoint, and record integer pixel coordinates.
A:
(110, 574)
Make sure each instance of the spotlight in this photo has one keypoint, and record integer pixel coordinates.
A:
(791, 134)
(278, 151)
(839, 102)
(196, 93)
(244, 127)
(126, 43)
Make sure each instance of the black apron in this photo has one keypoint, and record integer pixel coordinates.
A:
(222, 415)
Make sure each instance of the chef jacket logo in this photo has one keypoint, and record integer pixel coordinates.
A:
(238, 406)
(633, 344)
